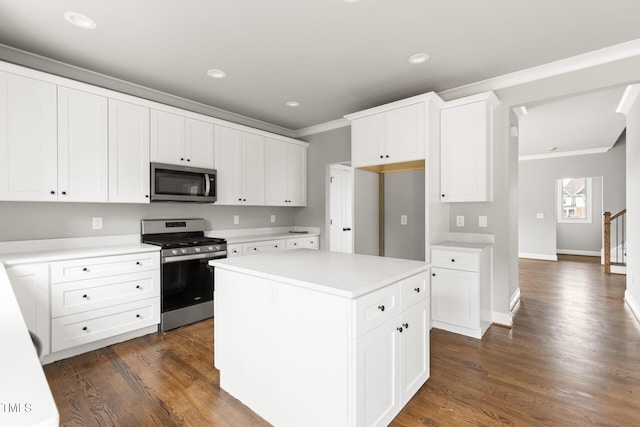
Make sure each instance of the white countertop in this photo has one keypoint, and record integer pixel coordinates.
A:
(50, 255)
(261, 234)
(460, 245)
(345, 275)
(25, 397)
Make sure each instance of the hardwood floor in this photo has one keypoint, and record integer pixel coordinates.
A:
(571, 358)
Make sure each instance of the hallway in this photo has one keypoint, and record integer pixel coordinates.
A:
(571, 358)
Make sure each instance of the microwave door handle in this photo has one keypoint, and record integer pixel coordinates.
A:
(207, 184)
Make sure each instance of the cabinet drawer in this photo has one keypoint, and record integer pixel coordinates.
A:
(83, 328)
(458, 260)
(234, 250)
(374, 309)
(267, 246)
(83, 295)
(414, 289)
(88, 268)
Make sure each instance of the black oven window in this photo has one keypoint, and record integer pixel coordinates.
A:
(179, 183)
(186, 283)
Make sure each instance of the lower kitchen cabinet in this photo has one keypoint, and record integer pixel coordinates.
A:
(461, 287)
(287, 244)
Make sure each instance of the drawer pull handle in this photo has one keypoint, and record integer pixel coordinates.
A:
(85, 269)
(406, 325)
(85, 328)
(453, 260)
(399, 329)
(417, 290)
(138, 287)
(138, 316)
(381, 307)
(433, 274)
(138, 263)
(85, 296)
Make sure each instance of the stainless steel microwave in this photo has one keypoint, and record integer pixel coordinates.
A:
(176, 183)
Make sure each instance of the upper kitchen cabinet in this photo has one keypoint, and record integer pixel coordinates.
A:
(176, 139)
(240, 164)
(286, 173)
(28, 139)
(392, 133)
(82, 146)
(466, 149)
(128, 152)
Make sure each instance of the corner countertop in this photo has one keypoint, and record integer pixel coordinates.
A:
(25, 397)
(261, 234)
(340, 274)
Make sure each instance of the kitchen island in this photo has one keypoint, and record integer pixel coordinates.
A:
(321, 338)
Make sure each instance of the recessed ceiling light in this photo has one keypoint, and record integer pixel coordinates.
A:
(418, 58)
(292, 104)
(80, 20)
(351, 1)
(216, 74)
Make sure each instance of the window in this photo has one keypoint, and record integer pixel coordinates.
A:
(574, 200)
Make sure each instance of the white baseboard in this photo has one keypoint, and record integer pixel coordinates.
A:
(633, 305)
(503, 319)
(576, 252)
(514, 299)
(543, 257)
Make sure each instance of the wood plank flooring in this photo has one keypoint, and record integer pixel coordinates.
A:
(571, 358)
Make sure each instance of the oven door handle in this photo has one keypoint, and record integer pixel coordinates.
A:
(210, 255)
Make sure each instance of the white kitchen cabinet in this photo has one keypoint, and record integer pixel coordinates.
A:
(303, 243)
(286, 173)
(466, 127)
(30, 284)
(28, 139)
(129, 178)
(240, 165)
(82, 146)
(461, 288)
(176, 139)
(97, 298)
(234, 250)
(392, 133)
(263, 246)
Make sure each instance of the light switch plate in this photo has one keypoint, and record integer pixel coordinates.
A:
(96, 223)
(236, 219)
(403, 220)
(460, 221)
(482, 221)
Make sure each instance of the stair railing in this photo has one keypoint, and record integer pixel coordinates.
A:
(619, 222)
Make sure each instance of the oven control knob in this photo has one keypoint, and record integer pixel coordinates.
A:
(174, 251)
(211, 248)
(197, 249)
(184, 251)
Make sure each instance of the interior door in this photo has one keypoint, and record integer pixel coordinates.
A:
(341, 209)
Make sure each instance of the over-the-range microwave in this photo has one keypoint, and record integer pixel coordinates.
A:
(177, 183)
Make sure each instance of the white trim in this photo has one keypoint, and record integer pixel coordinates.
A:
(503, 319)
(577, 252)
(425, 97)
(542, 257)
(586, 151)
(629, 98)
(619, 269)
(489, 97)
(574, 63)
(514, 299)
(322, 127)
(632, 304)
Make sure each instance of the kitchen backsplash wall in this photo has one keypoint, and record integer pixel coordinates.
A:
(35, 220)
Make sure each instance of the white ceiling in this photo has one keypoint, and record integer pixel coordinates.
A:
(582, 123)
(332, 56)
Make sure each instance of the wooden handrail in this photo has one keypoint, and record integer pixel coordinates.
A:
(622, 212)
(607, 237)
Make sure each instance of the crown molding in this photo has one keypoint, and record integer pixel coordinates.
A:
(629, 99)
(322, 127)
(597, 150)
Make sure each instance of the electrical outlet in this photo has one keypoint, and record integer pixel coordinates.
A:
(273, 219)
(403, 220)
(96, 223)
(236, 219)
(540, 215)
(482, 221)
(460, 221)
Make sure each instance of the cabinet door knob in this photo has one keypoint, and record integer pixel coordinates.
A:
(85, 269)
(406, 325)
(399, 329)
(85, 296)
(138, 263)
(381, 307)
(52, 192)
(433, 274)
(188, 160)
(387, 156)
(417, 290)
(138, 316)
(442, 195)
(138, 287)
(453, 260)
(381, 156)
(146, 196)
(64, 193)
(84, 329)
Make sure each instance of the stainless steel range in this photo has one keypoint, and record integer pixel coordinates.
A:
(186, 278)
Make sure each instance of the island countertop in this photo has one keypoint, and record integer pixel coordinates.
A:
(335, 273)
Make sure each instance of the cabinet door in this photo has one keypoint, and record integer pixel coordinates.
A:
(455, 297)
(415, 349)
(227, 162)
(128, 152)
(405, 134)
(276, 172)
(377, 375)
(28, 139)
(30, 284)
(253, 169)
(368, 141)
(465, 154)
(167, 138)
(296, 175)
(83, 174)
(198, 143)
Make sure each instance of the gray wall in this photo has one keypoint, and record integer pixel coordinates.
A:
(366, 217)
(49, 220)
(538, 192)
(584, 239)
(404, 194)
